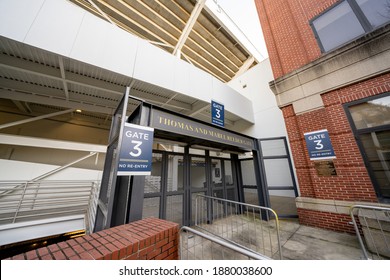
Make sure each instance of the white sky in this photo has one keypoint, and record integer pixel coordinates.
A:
(244, 14)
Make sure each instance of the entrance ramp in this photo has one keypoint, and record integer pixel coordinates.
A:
(372, 227)
(251, 227)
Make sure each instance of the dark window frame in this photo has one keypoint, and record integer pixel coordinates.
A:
(358, 132)
(363, 20)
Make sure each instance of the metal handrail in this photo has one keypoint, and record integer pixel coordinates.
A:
(223, 243)
(242, 204)
(47, 198)
(357, 231)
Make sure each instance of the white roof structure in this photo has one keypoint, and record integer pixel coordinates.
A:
(58, 54)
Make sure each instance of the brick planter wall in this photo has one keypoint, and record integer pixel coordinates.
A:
(147, 239)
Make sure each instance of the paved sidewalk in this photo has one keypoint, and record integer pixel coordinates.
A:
(301, 242)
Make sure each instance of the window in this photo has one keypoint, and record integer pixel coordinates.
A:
(371, 124)
(348, 20)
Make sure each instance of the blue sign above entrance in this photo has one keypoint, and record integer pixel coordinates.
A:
(217, 113)
(135, 156)
(319, 145)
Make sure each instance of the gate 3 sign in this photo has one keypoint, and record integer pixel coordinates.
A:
(135, 156)
(217, 113)
(319, 145)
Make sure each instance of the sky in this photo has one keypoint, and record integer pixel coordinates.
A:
(244, 14)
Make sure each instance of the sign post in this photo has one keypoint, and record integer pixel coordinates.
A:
(217, 113)
(135, 155)
(319, 145)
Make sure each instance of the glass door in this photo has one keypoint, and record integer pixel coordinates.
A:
(153, 188)
(198, 184)
(164, 191)
(174, 194)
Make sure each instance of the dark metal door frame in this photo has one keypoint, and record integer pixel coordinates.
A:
(121, 198)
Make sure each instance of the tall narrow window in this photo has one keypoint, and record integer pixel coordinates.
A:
(371, 123)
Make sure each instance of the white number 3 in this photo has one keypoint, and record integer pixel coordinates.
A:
(319, 146)
(136, 148)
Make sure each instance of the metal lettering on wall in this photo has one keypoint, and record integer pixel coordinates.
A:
(172, 123)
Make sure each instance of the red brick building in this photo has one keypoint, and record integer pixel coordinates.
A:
(331, 62)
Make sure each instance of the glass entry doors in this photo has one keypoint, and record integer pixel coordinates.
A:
(164, 188)
(178, 177)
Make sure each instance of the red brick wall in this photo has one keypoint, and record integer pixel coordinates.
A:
(148, 239)
(291, 44)
(352, 182)
(289, 38)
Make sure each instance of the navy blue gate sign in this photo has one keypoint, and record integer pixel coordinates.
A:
(217, 113)
(319, 145)
(135, 156)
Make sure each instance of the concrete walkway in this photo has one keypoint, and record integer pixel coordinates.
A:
(301, 242)
(298, 242)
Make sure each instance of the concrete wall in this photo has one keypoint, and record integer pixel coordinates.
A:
(269, 121)
(254, 85)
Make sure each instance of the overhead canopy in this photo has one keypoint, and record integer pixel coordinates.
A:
(183, 27)
(46, 68)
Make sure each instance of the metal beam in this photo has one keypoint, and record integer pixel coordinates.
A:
(198, 107)
(71, 78)
(247, 64)
(169, 100)
(22, 107)
(118, 12)
(34, 68)
(48, 100)
(8, 139)
(62, 69)
(101, 12)
(190, 24)
(155, 99)
(56, 170)
(36, 118)
(210, 38)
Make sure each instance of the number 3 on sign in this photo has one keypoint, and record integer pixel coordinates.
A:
(319, 146)
(218, 114)
(136, 148)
